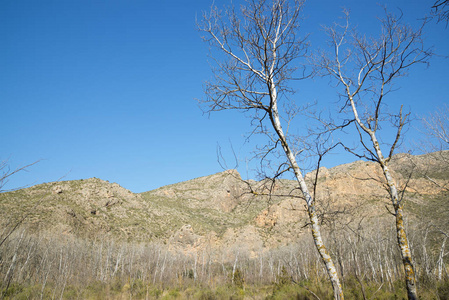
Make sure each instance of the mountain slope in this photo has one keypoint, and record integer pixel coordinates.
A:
(222, 210)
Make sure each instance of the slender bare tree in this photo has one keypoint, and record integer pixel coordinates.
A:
(366, 68)
(436, 127)
(11, 224)
(256, 62)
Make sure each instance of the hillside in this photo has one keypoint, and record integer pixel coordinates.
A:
(219, 237)
(220, 211)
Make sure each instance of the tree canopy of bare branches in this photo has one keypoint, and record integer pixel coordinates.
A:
(256, 58)
(366, 69)
(5, 172)
(436, 126)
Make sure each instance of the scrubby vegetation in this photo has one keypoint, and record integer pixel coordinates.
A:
(235, 246)
(48, 266)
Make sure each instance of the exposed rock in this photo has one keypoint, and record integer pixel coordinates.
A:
(57, 190)
(221, 211)
(185, 236)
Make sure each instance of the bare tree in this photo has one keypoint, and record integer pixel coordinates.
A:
(436, 126)
(256, 62)
(366, 68)
(10, 225)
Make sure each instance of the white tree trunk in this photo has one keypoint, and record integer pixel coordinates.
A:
(440, 260)
(403, 244)
(316, 229)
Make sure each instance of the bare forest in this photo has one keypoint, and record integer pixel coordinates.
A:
(376, 228)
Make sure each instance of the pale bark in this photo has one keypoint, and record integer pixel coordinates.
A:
(366, 68)
(401, 235)
(441, 259)
(262, 49)
(315, 226)
(410, 280)
(397, 204)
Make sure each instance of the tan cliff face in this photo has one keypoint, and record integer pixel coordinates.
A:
(361, 185)
(221, 211)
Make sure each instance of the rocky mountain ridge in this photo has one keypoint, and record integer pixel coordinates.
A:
(222, 210)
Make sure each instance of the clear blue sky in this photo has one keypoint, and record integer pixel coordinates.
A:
(107, 88)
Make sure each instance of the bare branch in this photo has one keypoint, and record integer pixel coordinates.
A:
(6, 172)
(259, 51)
(440, 9)
(367, 77)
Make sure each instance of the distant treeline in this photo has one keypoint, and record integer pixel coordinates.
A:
(57, 266)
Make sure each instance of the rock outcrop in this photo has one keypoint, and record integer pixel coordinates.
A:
(222, 211)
